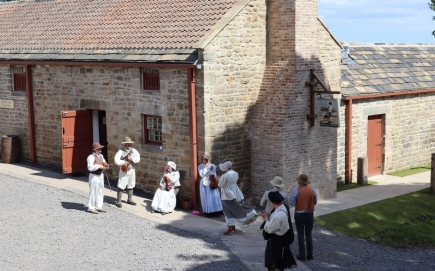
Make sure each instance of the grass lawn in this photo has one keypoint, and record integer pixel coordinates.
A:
(406, 221)
(411, 171)
(343, 187)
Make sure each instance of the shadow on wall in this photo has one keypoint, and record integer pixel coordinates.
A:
(276, 137)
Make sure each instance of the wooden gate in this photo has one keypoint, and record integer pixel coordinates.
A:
(76, 140)
(375, 146)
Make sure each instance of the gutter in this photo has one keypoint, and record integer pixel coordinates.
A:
(193, 138)
(348, 140)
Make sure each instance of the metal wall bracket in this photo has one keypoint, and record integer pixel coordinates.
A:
(314, 81)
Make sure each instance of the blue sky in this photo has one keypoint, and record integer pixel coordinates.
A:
(384, 21)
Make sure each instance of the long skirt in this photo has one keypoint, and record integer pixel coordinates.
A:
(236, 214)
(278, 254)
(210, 199)
(164, 201)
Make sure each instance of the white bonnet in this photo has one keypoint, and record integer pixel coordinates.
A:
(225, 166)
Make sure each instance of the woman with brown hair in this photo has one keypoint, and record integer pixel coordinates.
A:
(210, 197)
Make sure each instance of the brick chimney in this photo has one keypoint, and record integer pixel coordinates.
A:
(283, 142)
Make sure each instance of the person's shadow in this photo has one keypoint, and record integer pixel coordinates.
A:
(73, 206)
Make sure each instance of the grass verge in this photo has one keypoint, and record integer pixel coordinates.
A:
(343, 187)
(406, 221)
(410, 171)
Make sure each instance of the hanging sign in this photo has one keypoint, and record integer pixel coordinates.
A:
(7, 104)
(328, 114)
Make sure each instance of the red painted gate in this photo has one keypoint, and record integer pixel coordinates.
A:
(374, 145)
(76, 140)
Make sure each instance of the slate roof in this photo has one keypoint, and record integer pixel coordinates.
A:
(386, 68)
(43, 30)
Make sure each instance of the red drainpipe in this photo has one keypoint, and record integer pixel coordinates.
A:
(29, 92)
(193, 139)
(348, 143)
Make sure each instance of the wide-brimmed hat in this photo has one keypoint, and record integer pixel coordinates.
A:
(277, 181)
(96, 146)
(127, 140)
(225, 166)
(172, 165)
(275, 196)
(302, 178)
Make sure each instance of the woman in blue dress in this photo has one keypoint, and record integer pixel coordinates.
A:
(210, 198)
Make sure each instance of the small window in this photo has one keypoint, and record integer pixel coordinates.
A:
(19, 72)
(151, 81)
(153, 130)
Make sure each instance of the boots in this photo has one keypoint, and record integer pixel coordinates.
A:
(118, 200)
(130, 196)
(230, 230)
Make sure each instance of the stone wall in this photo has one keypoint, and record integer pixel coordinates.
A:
(14, 121)
(117, 91)
(283, 141)
(409, 130)
(228, 87)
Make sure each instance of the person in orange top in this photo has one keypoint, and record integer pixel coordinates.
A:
(304, 198)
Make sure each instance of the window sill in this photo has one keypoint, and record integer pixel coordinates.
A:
(150, 92)
(151, 147)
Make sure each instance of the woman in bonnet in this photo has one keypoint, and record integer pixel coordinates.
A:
(235, 213)
(210, 198)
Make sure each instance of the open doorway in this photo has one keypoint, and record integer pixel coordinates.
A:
(99, 130)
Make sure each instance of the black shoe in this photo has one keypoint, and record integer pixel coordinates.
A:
(118, 204)
(300, 258)
(310, 258)
(131, 203)
(163, 213)
(153, 211)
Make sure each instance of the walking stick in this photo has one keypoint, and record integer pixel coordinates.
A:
(107, 176)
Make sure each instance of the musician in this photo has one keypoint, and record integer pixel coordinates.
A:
(126, 158)
(210, 198)
(96, 166)
(164, 200)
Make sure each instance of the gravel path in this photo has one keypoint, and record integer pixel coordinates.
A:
(335, 251)
(44, 228)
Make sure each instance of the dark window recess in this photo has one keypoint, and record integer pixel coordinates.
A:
(19, 78)
(151, 81)
(153, 130)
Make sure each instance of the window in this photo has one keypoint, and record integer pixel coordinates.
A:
(151, 81)
(19, 72)
(153, 130)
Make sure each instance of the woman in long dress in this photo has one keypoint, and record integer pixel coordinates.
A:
(235, 213)
(210, 198)
(164, 200)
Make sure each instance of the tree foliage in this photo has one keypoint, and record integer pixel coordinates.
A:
(432, 7)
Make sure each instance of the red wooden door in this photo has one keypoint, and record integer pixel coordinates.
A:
(374, 145)
(76, 140)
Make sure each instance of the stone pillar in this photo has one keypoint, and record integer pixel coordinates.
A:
(283, 142)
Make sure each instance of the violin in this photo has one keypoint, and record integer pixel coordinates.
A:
(104, 164)
(124, 167)
(167, 181)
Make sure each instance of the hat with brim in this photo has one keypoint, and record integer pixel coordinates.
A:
(303, 179)
(97, 146)
(127, 140)
(225, 166)
(172, 165)
(277, 181)
(275, 196)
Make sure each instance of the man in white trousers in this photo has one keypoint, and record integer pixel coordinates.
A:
(96, 166)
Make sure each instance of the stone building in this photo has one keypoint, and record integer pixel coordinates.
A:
(180, 78)
(389, 92)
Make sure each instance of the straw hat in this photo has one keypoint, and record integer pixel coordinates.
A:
(127, 140)
(96, 146)
(302, 178)
(277, 181)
